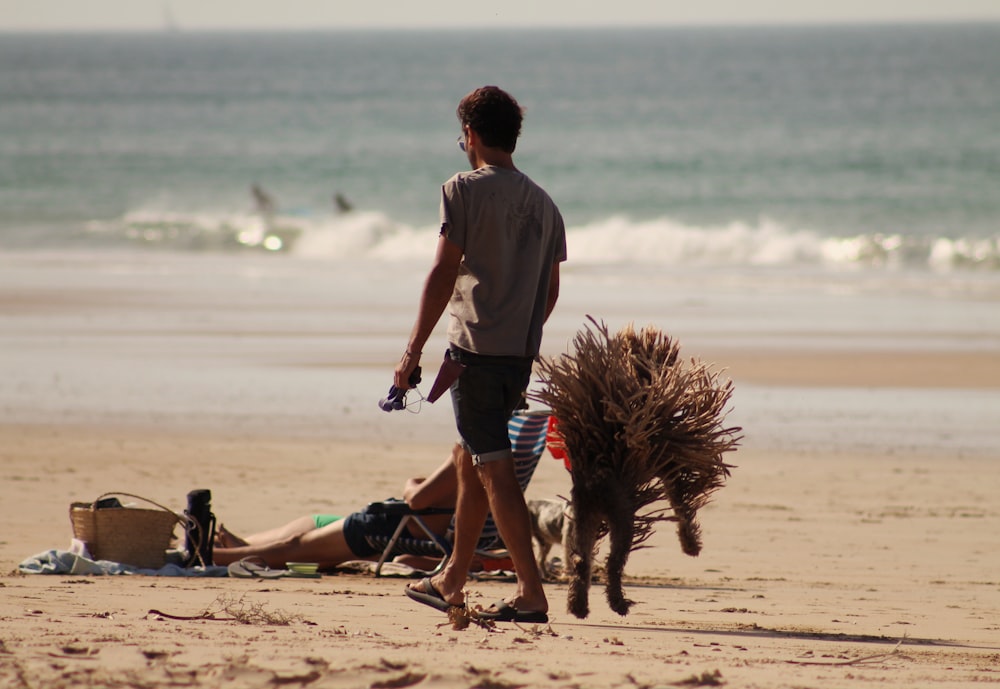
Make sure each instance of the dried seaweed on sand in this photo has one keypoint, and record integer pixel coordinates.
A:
(642, 427)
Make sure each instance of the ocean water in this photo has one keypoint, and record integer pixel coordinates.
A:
(776, 189)
(872, 150)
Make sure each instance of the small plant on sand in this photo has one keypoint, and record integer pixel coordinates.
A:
(249, 612)
(705, 679)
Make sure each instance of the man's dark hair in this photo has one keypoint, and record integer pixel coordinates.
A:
(494, 115)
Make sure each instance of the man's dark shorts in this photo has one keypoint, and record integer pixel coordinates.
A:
(484, 397)
(359, 525)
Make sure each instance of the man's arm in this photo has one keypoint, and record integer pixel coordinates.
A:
(553, 295)
(436, 294)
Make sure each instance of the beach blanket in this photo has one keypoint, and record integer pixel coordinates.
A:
(70, 562)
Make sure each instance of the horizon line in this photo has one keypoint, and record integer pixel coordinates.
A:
(179, 28)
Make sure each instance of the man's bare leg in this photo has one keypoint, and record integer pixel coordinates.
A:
(510, 512)
(471, 509)
(492, 487)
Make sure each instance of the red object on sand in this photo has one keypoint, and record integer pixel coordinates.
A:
(554, 441)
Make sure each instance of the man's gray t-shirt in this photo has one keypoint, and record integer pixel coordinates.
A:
(511, 234)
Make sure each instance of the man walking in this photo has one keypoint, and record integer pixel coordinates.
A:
(496, 269)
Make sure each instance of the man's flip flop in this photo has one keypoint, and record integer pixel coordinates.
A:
(505, 612)
(428, 595)
(251, 568)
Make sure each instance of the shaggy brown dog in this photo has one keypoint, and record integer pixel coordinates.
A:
(640, 427)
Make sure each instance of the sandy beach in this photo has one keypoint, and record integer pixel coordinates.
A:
(855, 544)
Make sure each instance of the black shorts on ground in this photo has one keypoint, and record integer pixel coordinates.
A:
(359, 525)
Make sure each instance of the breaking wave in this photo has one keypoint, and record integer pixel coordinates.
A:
(616, 240)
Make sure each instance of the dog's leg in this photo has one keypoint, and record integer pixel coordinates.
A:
(568, 535)
(689, 533)
(580, 554)
(543, 553)
(688, 530)
(621, 522)
(537, 539)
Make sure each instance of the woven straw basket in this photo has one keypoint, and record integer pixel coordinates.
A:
(130, 535)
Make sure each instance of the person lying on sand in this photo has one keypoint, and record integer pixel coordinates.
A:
(330, 540)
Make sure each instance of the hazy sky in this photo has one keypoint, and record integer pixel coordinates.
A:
(19, 15)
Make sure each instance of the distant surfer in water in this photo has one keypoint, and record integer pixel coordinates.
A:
(262, 202)
(341, 202)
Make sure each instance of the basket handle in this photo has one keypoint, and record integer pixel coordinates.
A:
(180, 519)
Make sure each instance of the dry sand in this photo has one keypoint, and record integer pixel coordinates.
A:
(819, 571)
(831, 567)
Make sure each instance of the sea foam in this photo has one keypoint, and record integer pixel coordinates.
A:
(614, 241)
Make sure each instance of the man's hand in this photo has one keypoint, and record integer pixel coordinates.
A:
(405, 368)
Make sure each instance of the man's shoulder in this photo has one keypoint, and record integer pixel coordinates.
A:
(466, 179)
(491, 179)
(480, 174)
(455, 179)
(500, 177)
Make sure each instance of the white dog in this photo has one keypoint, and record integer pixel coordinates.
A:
(551, 524)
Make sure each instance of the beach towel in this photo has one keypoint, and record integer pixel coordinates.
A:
(76, 562)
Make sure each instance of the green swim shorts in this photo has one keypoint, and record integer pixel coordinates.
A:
(322, 520)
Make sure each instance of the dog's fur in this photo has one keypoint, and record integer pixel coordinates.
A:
(643, 428)
(551, 524)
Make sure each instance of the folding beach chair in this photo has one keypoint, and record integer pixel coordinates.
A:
(527, 431)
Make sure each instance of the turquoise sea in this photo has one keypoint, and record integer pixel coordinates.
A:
(805, 147)
(754, 189)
